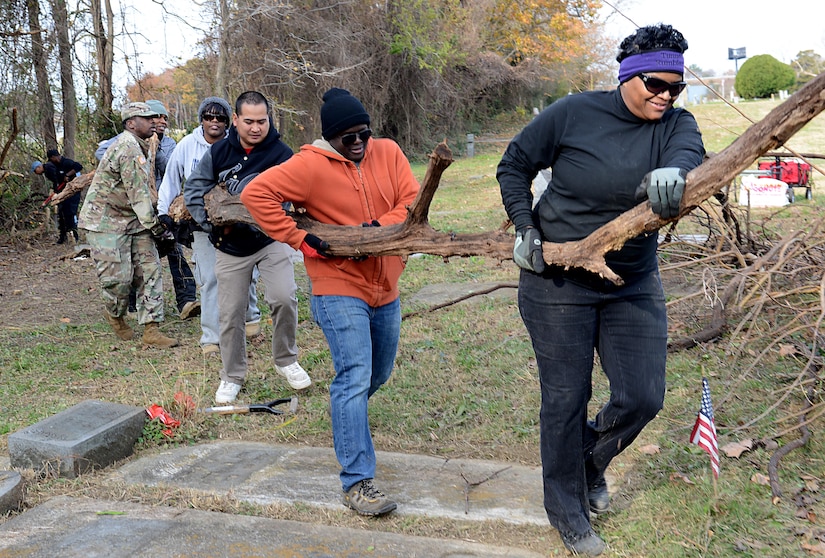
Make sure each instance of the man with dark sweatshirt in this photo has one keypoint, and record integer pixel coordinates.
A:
(252, 146)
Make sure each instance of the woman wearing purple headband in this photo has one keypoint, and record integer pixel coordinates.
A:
(608, 150)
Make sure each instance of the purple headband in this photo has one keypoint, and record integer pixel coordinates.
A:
(651, 61)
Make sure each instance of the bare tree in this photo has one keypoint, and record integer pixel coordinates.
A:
(221, 79)
(41, 70)
(64, 49)
(104, 33)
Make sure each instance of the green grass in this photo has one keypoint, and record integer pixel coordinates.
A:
(465, 385)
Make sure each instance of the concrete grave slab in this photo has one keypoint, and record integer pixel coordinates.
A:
(86, 528)
(464, 489)
(92, 434)
(441, 293)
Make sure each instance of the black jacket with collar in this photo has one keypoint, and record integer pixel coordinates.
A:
(228, 162)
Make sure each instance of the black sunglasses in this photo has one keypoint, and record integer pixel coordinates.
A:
(363, 135)
(218, 117)
(658, 86)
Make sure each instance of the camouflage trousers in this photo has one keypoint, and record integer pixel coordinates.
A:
(123, 261)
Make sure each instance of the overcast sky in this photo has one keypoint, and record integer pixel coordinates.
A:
(781, 28)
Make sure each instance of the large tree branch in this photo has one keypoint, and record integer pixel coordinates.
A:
(702, 182)
(416, 234)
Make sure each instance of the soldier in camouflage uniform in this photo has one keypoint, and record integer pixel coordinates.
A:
(123, 227)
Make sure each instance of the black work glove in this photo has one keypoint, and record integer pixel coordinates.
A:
(165, 243)
(664, 188)
(527, 250)
(167, 222)
(314, 247)
(373, 223)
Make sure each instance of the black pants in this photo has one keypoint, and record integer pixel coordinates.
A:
(567, 321)
(182, 280)
(67, 215)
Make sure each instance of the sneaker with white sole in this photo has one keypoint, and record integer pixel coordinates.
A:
(295, 375)
(211, 349)
(227, 392)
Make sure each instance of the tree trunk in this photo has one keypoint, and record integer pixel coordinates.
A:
(45, 102)
(104, 39)
(61, 23)
(222, 71)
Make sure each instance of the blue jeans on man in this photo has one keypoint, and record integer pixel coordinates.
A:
(363, 342)
(567, 320)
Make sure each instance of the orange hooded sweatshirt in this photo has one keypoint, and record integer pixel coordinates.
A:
(336, 191)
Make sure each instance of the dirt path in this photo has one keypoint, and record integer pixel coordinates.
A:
(43, 283)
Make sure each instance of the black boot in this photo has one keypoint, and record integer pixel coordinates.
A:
(74, 234)
(62, 239)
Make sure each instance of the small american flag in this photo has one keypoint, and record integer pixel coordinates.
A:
(704, 431)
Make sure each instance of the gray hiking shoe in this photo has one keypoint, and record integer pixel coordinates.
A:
(364, 498)
(588, 544)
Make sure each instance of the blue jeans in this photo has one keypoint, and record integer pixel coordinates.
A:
(567, 320)
(363, 341)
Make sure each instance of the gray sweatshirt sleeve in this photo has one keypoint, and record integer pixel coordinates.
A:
(200, 183)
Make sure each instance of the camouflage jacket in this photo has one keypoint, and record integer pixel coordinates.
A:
(118, 200)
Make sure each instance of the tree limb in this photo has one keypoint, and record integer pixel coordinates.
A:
(416, 234)
(12, 134)
(701, 183)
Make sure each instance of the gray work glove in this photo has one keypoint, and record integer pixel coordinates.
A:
(664, 188)
(527, 250)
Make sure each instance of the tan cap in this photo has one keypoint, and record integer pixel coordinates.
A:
(136, 109)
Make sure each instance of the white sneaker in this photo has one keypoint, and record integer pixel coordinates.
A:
(227, 392)
(295, 375)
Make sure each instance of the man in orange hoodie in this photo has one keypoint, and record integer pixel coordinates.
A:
(346, 178)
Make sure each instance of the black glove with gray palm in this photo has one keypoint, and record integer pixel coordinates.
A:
(527, 250)
(664, 188)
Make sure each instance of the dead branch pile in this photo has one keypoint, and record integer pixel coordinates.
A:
(764, 310)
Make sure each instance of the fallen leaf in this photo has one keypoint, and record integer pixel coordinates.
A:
(66, 320)
(674, 477)
(735, 449)
(818, 548)
(786, 350)
(811, 482)
(770, 445)
(650, 449)
(759, 478)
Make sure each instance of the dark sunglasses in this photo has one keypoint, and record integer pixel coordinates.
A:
(658, 86)
(218, 117)
(363, 135)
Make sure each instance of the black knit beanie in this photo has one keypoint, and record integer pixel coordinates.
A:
(341, 111)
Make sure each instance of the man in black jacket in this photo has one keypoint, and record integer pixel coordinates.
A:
(60, 170)
(252, 146)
